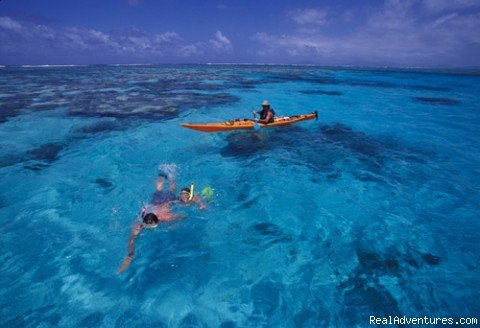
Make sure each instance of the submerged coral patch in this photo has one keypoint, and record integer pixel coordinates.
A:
(436, 101)
(99, 127)
(321, 92)
(47, 153)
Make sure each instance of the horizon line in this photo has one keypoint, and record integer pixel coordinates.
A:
(247, 64)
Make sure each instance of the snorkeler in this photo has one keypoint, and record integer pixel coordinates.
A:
(187, 197)
(160, 209)
(149, 221)
(161, 200)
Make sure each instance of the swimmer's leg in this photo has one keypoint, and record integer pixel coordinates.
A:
(169, 170)
(160, 182)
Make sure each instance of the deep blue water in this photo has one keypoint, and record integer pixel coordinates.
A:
(371, 210)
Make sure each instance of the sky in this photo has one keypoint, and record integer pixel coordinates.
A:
(408, 33)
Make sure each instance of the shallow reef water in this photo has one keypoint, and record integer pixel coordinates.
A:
(373, 210)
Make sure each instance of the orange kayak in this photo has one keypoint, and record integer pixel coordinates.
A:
(248, 124)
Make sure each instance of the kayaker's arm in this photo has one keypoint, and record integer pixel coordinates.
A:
(267, 118)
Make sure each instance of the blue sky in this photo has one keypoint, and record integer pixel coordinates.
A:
(409, 33)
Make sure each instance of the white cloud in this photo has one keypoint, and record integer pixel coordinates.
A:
(21, 31)
(261, 37)
(10, 24)
(402, 32)
(396, 33)
(140, 43)
(436, 6)
(221, 42)
(28, 38)
(454, 30)
(394, 15)
(189, 50)
(100, 36)
(43, 32)
(75, 39)
(333, 50)
(443, 20)
(293, 45)
(307, 30)
(166, 37)
(310, 16)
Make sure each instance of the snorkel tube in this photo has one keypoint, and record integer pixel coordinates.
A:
(191, 191)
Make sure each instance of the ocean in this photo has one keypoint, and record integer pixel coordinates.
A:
(373, 210)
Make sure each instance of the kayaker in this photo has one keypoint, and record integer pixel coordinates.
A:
(267, 114)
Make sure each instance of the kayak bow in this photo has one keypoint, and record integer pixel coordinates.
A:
(248, 124)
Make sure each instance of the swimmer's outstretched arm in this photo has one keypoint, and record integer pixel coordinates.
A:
(198, 200)
(131, 248)
(179, 216)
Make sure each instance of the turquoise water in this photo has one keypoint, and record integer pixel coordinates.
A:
(371, 210)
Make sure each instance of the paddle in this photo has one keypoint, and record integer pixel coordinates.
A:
(256, 126)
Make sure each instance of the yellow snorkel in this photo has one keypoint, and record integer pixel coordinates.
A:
(191, 191)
